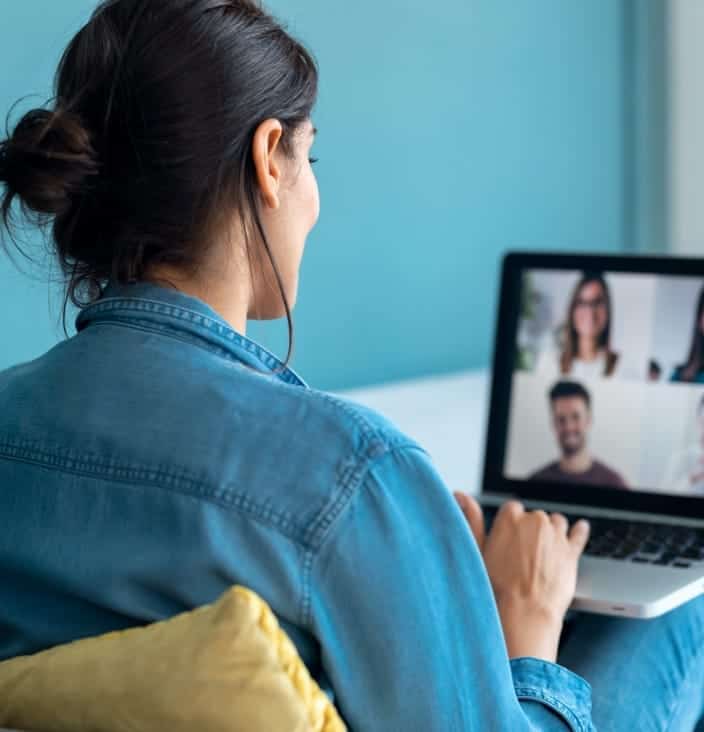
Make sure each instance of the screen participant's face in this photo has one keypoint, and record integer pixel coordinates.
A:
(591, 311)
(572, 420)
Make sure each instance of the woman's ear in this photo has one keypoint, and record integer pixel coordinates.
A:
(264, 154)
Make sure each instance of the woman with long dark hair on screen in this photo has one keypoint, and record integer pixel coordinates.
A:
(692, 369)
(159, 455)
(585, 351)
(587, 339)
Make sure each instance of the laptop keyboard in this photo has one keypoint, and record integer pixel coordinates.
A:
(638, 541)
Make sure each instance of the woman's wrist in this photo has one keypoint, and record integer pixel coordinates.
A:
(530, 631)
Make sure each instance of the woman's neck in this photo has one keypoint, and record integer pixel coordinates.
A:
(227, 296)
(588, 349)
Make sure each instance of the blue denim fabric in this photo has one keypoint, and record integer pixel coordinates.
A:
(646, 675)
(155, 459)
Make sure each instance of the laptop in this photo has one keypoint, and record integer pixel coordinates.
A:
(597, 411)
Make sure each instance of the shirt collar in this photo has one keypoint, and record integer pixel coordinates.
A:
(144, 303)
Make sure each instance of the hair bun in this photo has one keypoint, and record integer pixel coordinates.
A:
(48, 161)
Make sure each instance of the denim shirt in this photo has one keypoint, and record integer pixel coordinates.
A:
(158, 457)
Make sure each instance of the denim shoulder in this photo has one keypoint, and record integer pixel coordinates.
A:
(185, 421)
(307, 453)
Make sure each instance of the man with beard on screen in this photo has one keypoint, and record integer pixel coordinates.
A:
(571, 408)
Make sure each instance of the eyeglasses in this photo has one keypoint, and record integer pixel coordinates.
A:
(597, 302)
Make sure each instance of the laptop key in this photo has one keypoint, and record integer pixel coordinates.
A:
(602, 548)
(650, 547)
(669, 556)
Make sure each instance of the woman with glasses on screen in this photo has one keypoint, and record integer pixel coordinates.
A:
(585, 351)
(587, 348)
(159, 456)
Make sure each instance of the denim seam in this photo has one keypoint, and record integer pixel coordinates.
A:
(319, 529)
(167, 331)
(208, 323)
(147, 326)
(170, 333)
(533, 693)
(354, 479)
(677, 705)
(306, 596)
(143, 477)
(364, 425)
(347, 486)
(152, 306)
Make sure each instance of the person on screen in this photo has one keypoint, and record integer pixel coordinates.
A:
(685, 470)
(692, 369)
(571, 408)
(654, 370)
(586, 351)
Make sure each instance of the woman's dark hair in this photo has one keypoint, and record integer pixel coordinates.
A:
(570, 350)
(695, 361)
(145, 152)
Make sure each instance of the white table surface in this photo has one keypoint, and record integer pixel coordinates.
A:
(445, 414)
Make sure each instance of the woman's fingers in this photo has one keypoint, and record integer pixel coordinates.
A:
(512, 510)
(559, 522)
(579, 536)
(475, 517)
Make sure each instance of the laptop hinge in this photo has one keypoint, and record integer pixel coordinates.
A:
(496, 499)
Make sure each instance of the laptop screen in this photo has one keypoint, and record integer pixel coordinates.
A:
(607, 381)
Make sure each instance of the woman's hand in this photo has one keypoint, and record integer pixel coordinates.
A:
(532, 559)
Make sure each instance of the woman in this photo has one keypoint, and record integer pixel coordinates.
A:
(692, 370)
(586, 349)
(159, 456)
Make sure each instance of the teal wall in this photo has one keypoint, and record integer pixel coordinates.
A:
(448, 133)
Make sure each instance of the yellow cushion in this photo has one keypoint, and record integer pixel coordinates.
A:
(226, 667)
